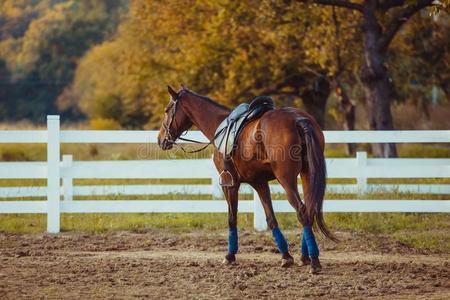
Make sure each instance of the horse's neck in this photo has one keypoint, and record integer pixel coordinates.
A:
(205, 115)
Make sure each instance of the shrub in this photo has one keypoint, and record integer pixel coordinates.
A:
(104, 124)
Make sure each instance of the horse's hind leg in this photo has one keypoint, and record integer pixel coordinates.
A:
(289, 183)
(262, 188)
(231, 194)
(310, 250)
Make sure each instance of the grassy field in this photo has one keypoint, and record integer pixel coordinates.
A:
(421, 231)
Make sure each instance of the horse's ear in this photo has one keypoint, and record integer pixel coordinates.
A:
(184, 87)
(172, 92)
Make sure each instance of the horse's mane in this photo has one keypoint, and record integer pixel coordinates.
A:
(207, 99)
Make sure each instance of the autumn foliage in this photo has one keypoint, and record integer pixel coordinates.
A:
(109, 61)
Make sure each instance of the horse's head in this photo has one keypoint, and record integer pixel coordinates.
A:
(175, 120)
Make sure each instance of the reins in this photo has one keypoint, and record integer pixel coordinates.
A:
(196, 142)
(192, 141)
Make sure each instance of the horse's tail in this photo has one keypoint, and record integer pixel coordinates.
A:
(316, 176)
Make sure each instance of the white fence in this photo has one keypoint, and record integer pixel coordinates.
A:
(54, 170)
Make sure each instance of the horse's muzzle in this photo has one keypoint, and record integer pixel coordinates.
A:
(165, 144)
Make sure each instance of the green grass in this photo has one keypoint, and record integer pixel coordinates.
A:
(404, 150)
(424, 150)
(418, 230)
(38, 152)
(375, 223)
(98, 223)
(422, 231)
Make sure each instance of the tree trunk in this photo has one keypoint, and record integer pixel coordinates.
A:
(315, 100)
(374, 76)
(348, 109)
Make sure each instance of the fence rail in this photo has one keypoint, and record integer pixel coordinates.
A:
(53, 170)
(205, 189)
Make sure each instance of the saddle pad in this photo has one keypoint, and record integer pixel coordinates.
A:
(228, 130)
(227, 133)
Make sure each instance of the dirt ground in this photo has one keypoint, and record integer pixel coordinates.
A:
(188, 265)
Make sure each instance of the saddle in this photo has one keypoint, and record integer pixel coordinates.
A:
(227, 134)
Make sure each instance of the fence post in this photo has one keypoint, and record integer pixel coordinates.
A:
(216, 189)
(259, 217)
(53, 175)
(67, 179)
(361, 180)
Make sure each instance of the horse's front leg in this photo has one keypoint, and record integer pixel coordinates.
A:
(231, 194)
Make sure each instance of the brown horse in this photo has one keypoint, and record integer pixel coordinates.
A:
(281, 144)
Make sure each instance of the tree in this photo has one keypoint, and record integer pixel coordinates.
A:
(227, 50)
(5, 91)
(42, 42)
(237, 50)
(381, 20)
(231, 51)
(331, 41)
(424, 53)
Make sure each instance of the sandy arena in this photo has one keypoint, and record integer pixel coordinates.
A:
(188, 265)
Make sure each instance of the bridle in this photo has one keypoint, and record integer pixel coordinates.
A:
(166, 126)
(171, 138)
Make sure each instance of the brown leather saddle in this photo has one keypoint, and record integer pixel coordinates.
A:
(227, 134)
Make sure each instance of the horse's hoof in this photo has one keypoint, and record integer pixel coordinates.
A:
(287, 262)
(305, 260)
(315, 266)
(228, 262)
(229, 259)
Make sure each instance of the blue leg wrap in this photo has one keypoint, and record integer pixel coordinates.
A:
(233, 241)
(280, 240)
(308, 235)
(305, 252)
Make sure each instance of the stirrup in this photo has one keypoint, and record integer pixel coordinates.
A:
(226, 179)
